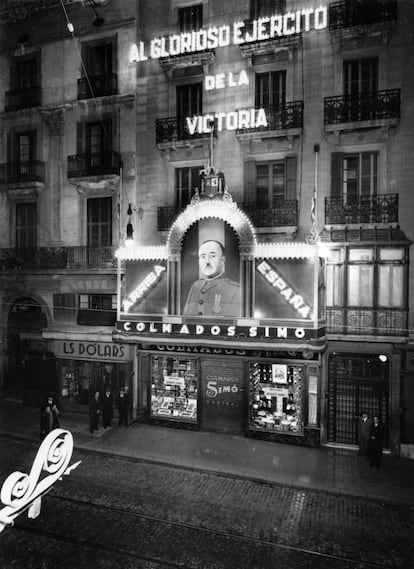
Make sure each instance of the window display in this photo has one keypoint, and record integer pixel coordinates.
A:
(276, 396)
(174, 388)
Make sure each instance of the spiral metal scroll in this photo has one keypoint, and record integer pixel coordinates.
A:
(21, 491)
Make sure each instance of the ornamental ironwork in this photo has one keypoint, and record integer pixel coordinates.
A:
(287, 116)
(23, 98)
(57, 258)
(349, 13)
(24, 171)
(173, 129)
(370, 209)
(97, 86)
(376, 105)
(284, 214)
(366, 321)
(102, 163)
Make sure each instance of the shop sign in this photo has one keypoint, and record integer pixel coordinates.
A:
(214, 330)
(72, 349)
(221, 389)
(237, 33)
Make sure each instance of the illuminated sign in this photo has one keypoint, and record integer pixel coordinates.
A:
(235, 120)
(144, 286)
(72, 349)
(288, 293)
(220, 81)
(214, 330)
(261, 29)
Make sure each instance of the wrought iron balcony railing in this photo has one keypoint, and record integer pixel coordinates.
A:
(23, 98)
(376, 105)
(78, 257)
(288, 116)
(283, 214)
(349, 13)
(97, 86)
(367, 321)
(173, 129)
(101, 164)
(17, 172)
(371, 209)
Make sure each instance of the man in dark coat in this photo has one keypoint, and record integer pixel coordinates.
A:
(364, 429)
(214, 294)
(107, 405)
(122, 403)
(376, 438)
(94, 411)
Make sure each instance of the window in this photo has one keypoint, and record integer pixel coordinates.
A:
(94, 138)
(97, 310)
(64, 307)
(26, 222)
(25, 73)
(268, 184)
(99, 219)
(190, 18)
(354, 175)
(189, 100)
(25, 151)
(97, 301)
(371, 277)
(259, 8)
(186, 180)
(360, 76)
(270, 90)
(98, 77)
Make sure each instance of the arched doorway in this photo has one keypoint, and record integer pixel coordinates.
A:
(29, 368)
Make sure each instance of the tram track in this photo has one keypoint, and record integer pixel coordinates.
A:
(156, 529)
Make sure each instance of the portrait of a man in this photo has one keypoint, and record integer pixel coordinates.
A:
(214, 293)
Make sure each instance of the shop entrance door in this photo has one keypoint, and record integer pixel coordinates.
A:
(222, 394)
(356, 383)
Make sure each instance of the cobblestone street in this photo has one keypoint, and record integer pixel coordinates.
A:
(115, 512)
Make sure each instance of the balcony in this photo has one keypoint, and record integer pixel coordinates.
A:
(284, 215)
(84, 165)
(22, 172)
(371, 209)
(379, 108)
(286, 120)
(23, 98)
(80, 257)
(367, 321)
(174, 129)
(349, 13)
(97, 86)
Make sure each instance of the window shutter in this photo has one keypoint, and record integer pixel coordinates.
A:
(290, 190)
(336, 174)
(80, 138)
(249, 181)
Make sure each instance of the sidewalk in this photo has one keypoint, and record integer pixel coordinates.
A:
(325, 469)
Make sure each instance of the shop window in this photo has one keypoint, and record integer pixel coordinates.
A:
(190, 18)
(270, 92)
(174, 389)
(374, 276)
(26, 225)
(99, 216)
(260, 8)
(186, 181)
(276, 397)
(64, 307)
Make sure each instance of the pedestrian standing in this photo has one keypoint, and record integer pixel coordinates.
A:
(107, 405)
(94, 411)
(49, 416)
(364, 429)
(375, 442)
(122, 403)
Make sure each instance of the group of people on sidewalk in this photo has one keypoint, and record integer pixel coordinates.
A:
(50, 411)
(370, 439)
(104, 407)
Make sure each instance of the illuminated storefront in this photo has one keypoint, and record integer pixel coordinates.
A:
(228, 331)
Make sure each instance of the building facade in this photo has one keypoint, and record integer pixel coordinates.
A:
(281, 130)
